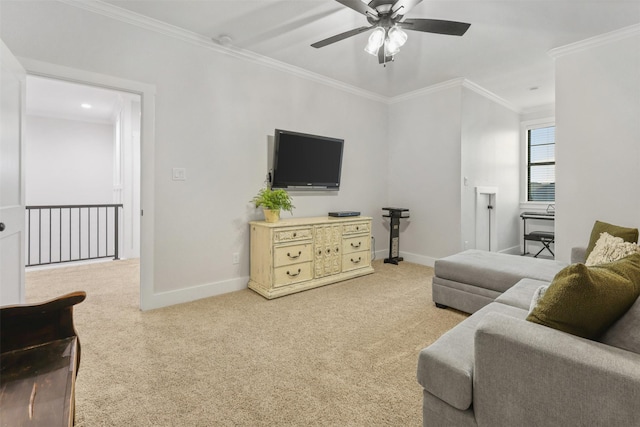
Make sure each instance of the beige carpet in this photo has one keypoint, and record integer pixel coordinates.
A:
(340, 355)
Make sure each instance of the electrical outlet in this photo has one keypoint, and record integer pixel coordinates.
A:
(236, 258)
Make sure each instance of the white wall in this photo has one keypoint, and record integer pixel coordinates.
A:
(424, 172)
(490, 158)
(68, 162)
(598, 142)
(436, 138)
(213, 114)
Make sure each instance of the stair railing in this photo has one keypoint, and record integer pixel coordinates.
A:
(65, 233)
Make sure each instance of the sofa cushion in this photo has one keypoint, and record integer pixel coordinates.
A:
(627, 234)
(586, 301)
(520, 294)
(495, 271)
(625, 333)
(445, 368)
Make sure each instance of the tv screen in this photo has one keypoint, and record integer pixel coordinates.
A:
(303, 161)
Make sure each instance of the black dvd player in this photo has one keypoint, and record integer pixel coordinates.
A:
(344, 213)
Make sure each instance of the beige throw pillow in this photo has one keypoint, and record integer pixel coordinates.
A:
(609, 248)
(627, 234)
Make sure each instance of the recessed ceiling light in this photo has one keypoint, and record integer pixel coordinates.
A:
(87, 106)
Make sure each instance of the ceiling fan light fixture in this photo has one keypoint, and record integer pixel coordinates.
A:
(390, 48)
(376, 39)
(387, 20)
(397, 36)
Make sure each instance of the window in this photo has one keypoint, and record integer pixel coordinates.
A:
(541, 164)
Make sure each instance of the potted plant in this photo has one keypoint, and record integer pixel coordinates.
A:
(272, 202)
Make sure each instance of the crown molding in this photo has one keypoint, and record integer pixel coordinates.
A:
(449, 84)
(599, 40)
(490, 95)
(145, 22)
(133, 18)
(454, 83)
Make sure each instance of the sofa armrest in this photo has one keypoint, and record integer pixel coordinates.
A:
(578, 255)
(532, 374)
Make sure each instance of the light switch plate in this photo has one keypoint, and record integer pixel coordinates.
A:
(179, 174)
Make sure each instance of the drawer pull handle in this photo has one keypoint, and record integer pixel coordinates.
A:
(319, 251)
(294, 256)
(295, 234)
(356, 246)
(294, 274)
(358, 261)
(329, 250)
(357, 228)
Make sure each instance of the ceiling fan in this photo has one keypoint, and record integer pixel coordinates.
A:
(387, 19)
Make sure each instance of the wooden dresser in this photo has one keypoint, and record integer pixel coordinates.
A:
(296, 254)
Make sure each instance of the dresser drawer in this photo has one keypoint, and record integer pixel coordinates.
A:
(356, 244)
(292, 254)
(290, 274)
(356, 227)
(356, 260)
(292, 234)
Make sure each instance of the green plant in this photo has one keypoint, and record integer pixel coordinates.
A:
(275, 200)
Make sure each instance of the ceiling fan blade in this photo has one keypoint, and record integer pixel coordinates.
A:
(339, 37)
(360, 7)
(402, 7)
(451, 28)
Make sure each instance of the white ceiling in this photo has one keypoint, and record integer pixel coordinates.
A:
(505, 50)
(60, 99)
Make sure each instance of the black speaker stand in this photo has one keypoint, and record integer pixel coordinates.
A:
(395, 214)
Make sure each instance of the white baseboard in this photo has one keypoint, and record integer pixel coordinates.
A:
(179, 296)
(430, 261)
(416, 259)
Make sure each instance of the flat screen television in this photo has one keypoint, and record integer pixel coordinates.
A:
(306, 162)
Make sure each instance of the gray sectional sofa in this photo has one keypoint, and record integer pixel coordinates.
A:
(474, 278)
(497, 369)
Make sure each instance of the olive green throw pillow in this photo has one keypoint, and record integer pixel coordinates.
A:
(586, 301)
(627, 234)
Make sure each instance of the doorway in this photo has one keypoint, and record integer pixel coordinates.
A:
(83, 173)
(145, 196)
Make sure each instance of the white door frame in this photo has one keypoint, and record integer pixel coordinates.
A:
(147, 93)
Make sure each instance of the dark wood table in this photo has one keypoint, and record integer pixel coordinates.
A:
(39, 361)
(38, 384)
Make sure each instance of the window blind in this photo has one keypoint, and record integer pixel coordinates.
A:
(541, 164)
